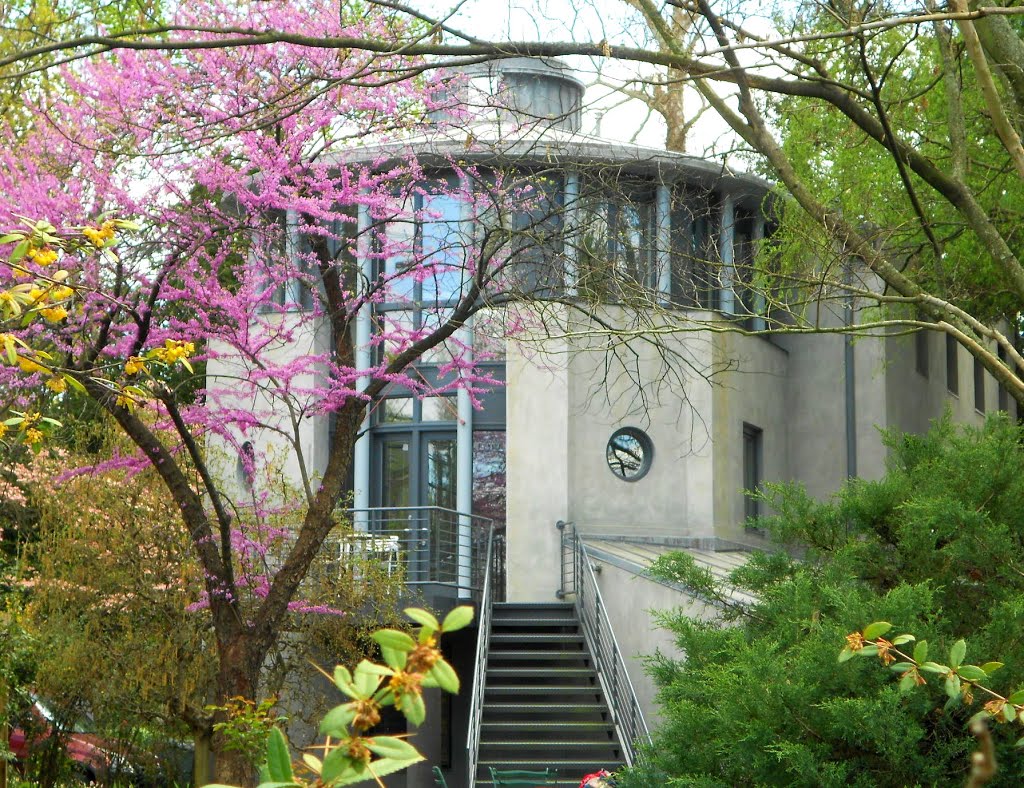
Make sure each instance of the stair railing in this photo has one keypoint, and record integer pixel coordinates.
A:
(580, 581)
(483, 644)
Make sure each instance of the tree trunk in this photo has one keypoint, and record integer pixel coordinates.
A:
(202, 763)
(237, 677)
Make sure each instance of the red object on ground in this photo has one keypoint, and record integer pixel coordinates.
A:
(596, 780)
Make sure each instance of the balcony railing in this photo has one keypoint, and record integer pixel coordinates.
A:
(428, 545)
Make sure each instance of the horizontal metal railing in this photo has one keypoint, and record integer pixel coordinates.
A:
(579, 581)
(426, 544)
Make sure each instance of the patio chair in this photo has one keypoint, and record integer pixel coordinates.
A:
(521, 778)
(439, 777)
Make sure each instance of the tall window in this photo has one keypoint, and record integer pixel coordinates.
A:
(921, 352)
(1004, 395)
(979, 385)
(753, 460)
(616, 243)
(952, 367)
(695, 259)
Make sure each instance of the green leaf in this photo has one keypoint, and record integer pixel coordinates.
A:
(952, 686)
(876, 630)
(981, 715)
(1019, 742)
(336, 721)
(392, 638)
(395, 658)
(901, 667)
(391, 747)
(972, 673)
(12, 353)
(413, 708)
(907, 683)
(343, 681)
(457, 619)
(279, 760)
(957, 653)
(20, 251)
(1009, 712)
(869, 650)
(422, 617)
(11, 238)
(338, 767)
(934, 667)
(381, 768)
(290, 784)
(899, 640)
(366, 680)
(991, 667)
(312, 762)
(1017, 698)
(445, 676)
(846, 654)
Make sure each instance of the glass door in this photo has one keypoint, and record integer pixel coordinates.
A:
(416, 470)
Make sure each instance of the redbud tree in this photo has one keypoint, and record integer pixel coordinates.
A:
(245, 173)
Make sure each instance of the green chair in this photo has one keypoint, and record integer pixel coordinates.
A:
(439, 777)
(521, 778)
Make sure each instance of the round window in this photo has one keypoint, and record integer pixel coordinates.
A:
(629, 453)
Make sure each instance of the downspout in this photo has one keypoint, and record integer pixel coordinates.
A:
(849, 367)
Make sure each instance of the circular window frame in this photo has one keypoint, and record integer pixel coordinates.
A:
(646, 446)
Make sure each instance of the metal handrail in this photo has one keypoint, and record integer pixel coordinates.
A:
(483, 644)
(578, 579)
(428, 544)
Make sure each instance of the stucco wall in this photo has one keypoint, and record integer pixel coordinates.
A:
(225, 377)
(632, 602)
(538, 461)
(658, 389)
(753, 392)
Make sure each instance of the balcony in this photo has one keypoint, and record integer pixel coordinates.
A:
(440, 553)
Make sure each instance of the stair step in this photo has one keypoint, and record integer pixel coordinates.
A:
(578, 725)
(548, 690)
(523, 622)
(563, 765)
(540, 670)
(536, 637)
(574, 708)
(538, 655)
(535, 745)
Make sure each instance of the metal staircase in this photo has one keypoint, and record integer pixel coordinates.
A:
(543, 705)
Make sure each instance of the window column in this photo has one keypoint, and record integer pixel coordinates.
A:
(663, 245)
(464, 426)
(759, 321)
(569, 229)
(361, 458)
(727, 275)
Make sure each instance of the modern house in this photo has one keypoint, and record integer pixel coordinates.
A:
(619, 431)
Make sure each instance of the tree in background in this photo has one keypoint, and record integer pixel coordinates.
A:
(842, 105)
(933, 547)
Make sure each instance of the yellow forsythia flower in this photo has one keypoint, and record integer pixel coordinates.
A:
(60, 293)
(42, 256)
(33, 436)
(29, 366)
(3, 430)
(134, 365)
(126, 402)
(56, 384)
(54, 313)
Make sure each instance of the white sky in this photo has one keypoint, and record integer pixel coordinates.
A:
(589, 20)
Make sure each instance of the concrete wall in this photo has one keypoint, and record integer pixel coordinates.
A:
(632, 603)
(538, 462)
(754, 391)
(658, 389)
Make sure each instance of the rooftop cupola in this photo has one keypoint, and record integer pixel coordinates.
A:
(524, 91)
